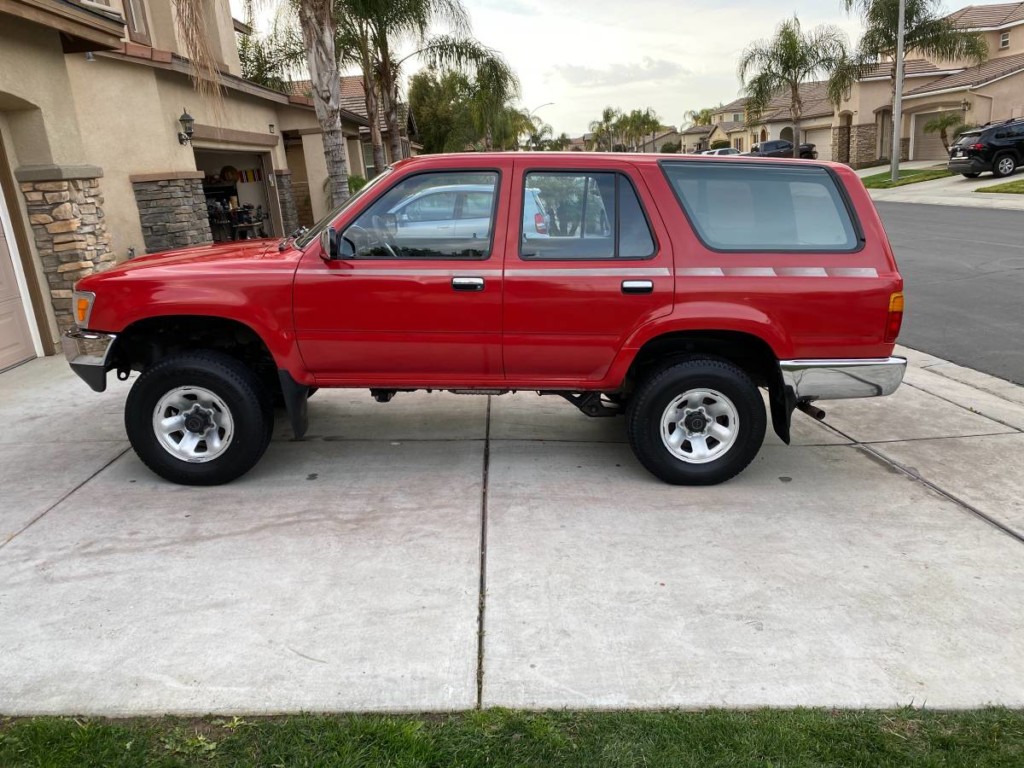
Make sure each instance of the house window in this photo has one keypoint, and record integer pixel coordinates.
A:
(736, 117)
(738, 143)
(135, 20)
(1004, 40)
(371, 171)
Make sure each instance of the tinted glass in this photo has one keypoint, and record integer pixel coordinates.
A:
(967, 138)
(477, 205)
(415, 219)
(585, 216)
(759, 208)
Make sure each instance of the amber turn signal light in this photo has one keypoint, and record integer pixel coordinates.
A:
(895, 318)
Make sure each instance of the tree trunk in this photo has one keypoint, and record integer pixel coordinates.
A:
(388, 83)
(796, 110)
(318, 35)
(372, 112)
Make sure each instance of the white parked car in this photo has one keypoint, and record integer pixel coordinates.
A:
(723, 151)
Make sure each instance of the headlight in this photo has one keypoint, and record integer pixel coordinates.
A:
(81, 307)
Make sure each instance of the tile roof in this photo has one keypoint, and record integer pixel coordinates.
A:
(728, 126)
(732, 106)
(911, 67)
(698, 130)
(814, 96)
(988, 16)
(993, 69)
(352, 97)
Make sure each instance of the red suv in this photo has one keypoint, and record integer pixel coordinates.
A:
(665, 290)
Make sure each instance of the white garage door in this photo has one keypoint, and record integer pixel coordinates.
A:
(15, 336)
(822, 140)
(927, 146)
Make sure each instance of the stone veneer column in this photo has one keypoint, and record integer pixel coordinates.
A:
(71, 237)
(172, 210)
(863, 145)
(904, 150)
(841, 144)
(285, 193)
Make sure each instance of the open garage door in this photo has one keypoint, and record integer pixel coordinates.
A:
(821, 138)
(927, 146)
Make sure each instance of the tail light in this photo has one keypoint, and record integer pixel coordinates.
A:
(895, 317)
(978, 147)
(540, 224)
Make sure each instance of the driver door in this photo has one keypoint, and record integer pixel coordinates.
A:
(404, 306)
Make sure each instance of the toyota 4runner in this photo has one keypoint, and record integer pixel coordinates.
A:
(664, 290)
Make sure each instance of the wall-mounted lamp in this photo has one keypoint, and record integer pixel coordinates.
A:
(90, 57)
(272, 128)
(965, 105)
(188, 124)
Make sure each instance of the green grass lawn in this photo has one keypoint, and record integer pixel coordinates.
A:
(764, 738)
(883, 180)
(1009, 187)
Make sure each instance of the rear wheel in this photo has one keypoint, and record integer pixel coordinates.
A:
(970, 175)
(1004, 165)
(698, 422)
(199, 418)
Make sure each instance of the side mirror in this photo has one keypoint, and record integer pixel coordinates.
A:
(329, 244)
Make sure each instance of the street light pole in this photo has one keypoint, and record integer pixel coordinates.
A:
(897, 107)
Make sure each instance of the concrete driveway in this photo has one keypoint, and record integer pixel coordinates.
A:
(952, 190)
(441, 552)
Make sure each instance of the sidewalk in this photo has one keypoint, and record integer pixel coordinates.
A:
(877, 562)
(954, 190)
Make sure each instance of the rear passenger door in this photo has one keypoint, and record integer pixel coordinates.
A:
(576, 291)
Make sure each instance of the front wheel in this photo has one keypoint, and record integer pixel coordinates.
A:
(199, 418)
(699, 422)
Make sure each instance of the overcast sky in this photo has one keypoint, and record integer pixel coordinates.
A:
(670, 55)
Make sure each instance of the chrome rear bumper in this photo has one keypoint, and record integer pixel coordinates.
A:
(839, 379)
(88, 354)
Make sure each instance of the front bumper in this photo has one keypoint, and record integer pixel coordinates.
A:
(807, 380)
(88, 354)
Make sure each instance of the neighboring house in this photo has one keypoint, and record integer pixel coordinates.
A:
(91, 165)
(816, 118)
(667, 134)
(353, 99)
(981, 94)
(696, 138)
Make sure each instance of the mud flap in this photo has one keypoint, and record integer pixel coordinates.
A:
(782, 400)
(296, 402)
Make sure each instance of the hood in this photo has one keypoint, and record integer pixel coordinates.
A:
(214, 253)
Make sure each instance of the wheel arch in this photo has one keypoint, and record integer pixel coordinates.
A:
(749, 351)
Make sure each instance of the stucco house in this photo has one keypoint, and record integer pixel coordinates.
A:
(96, 165)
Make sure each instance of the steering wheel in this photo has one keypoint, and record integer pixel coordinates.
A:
(385, 233)
(366, 240)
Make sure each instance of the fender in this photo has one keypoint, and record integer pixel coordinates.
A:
(703, 316)
(262, 305)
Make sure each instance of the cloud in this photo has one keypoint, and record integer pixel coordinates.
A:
(647, 70)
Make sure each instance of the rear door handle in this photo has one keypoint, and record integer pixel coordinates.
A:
(637, 286)
(467, 283)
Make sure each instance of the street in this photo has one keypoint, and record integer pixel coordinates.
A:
(964, 272)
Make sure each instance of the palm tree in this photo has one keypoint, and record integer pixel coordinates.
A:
(317, 25)
(539, 135)
(495, 86)
(928, 32)
(699, 116)
(604, 128)
(942, 125)
(780, 64)
(560, 143)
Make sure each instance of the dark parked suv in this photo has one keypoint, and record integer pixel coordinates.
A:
(996, 147)
(782, 148)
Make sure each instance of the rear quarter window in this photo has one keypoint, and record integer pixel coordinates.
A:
(763, 208)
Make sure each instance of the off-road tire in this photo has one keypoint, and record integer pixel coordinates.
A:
(654, 395)
(249, 403)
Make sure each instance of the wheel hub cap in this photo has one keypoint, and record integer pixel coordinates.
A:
(193, 424)
(700, 426)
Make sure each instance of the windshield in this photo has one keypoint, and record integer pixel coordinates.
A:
(314, 232)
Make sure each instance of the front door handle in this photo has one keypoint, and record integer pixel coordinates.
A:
(467, 283)
(637, 286)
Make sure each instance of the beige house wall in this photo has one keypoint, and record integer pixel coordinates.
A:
(316, 173)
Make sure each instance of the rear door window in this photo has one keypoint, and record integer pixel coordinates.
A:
(762, 208)
(575, 215)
